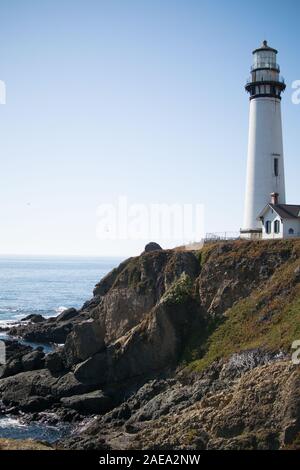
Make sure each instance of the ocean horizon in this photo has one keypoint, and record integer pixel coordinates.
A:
(47, 285)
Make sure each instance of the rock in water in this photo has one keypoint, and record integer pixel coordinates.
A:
(67, 314)
(34, 318)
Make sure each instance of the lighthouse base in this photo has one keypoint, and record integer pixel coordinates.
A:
(251, 234)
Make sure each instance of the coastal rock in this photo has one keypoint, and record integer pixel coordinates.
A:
(94, 370)
(13, 367)
(86, 339)
(138, 287)
(107, 281)
(186, 344)
(21, 389)
(15, 350)
(152, 246)
(18, 389)
(94, 402)
(257, 410)
(14, 353)
(48, 331)
(68, 385)
(89, 305)
(35, 404)
(66, 315)
(33, 360)
(34, 318)
(153, 345)
(54, 362)
(230, 274)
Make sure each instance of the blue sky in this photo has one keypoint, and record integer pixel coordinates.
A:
(138, 98)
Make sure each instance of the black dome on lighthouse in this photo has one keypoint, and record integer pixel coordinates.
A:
(265, 47)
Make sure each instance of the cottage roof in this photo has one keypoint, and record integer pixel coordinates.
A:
(285, 211)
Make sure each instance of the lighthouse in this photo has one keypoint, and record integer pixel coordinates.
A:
(265, 164)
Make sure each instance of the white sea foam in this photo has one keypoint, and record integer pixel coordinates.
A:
(59, 310)
(8, 422)
(8, 323)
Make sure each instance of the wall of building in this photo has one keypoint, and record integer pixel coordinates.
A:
(285, 225)
(272, 216)
(264, 145)
(291, 224)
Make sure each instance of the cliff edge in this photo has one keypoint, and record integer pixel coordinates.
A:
(177, 349)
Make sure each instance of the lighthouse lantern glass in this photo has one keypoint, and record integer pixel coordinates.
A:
(265, 58)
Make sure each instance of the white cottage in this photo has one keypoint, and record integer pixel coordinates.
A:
(280, 220)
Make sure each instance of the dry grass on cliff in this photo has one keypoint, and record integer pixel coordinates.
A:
(28, 444)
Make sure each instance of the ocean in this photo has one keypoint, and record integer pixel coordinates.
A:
(47, 286)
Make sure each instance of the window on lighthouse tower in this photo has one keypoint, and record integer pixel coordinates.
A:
(276, 167)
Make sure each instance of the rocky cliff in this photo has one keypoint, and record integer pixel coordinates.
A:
(177, 349)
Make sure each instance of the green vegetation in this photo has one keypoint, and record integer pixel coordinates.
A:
(205, 253)
(269, 319)
(180, 291)
(138, 272)
(196, 345)
(190, 436)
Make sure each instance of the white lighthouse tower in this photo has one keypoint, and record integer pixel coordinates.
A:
(265, 166)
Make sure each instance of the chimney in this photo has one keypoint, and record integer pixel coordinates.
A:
(274, 198)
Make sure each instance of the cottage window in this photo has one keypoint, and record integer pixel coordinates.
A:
(291, 231)
(277, 226)
(268, 226)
